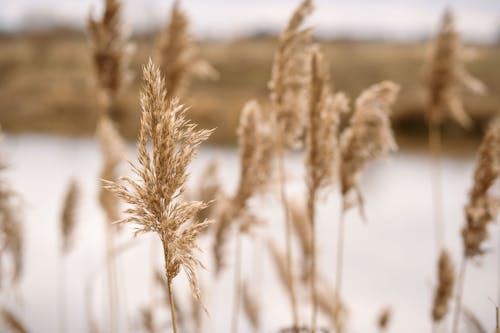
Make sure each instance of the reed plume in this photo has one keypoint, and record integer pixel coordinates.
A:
(368, 137)
(11, 245)
(446, 75)
(12, 322)
(68, 215)
(178, 56)
(154, 198)
(482, 207)
(111, 53)
(444, 289)
(288, 90)
(321, 149)
(256, 160)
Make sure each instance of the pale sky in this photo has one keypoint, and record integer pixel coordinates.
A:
(400, 19)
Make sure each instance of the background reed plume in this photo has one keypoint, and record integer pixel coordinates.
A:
(482, 207)
(321, 149)
(178, 56)
(445, 76)
(288, 90)
(444, 289)
(68, 215)
(154, 197)
(368, 137)
(111, 54)
(11, 245)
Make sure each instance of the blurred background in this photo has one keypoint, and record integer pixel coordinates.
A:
(46, 77)
(49, 111)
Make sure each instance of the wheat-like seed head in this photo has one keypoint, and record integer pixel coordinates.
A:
(324, 116)
(368, 137)
(483, 206)
(155, 197)
(113, 153)
(68, 215)
(444, 289)
(290, 77)
(446, 75)
(111, 52)
(178, 55)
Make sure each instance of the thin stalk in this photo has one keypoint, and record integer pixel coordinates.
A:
(288, 232)
(111, 275)
(458, 300)
(340, 255)
(170, 296)
(311, 214)
(237, 285)
(437, 190)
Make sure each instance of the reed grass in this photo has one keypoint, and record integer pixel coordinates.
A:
(162, 173)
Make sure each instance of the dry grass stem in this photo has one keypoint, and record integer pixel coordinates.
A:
(178, 55)
(446, 75)
(68, 215)
(444, 289)
(155, 197)
(113, 153)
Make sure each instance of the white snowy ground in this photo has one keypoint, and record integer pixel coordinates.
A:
(388, 261)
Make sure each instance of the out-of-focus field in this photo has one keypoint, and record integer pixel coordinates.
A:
(46, 83)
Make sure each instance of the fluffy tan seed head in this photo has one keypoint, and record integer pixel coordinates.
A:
(290, 77)
(178, 55)
(444, 289)
(368, 137)
(446, 75)
(111, 52)
(155, 195)
(68, 215)
(483, 206)
(323, 121)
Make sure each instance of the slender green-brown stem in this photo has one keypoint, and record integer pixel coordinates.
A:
(237, 285)
(437, 191)
(170, 295)
(311, 214)
(288, 232)
(340, 255)
(458, 299)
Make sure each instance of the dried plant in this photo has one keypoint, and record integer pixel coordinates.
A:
(321, 148)
(444, 289)
(156, 204)
(111, 53)
(288, 90)
(11, 237)
(368, 137)
(384, 318)
(256, 161)
(446, 75)
(482, 207)
(12, 322)
(289, 77)
(113, 152)
(68, 215)
(178, 55)
(251, 307)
